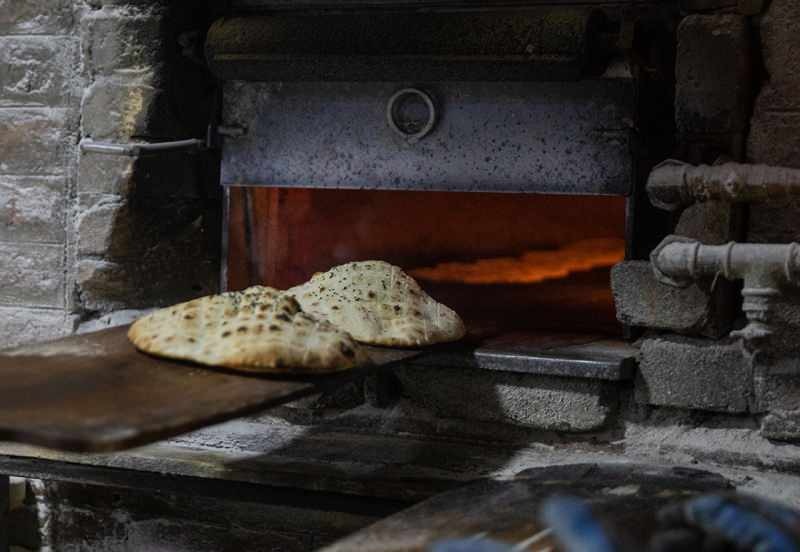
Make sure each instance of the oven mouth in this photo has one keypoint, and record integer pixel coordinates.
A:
(505, 262)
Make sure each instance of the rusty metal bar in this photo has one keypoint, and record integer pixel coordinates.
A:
(487, 45)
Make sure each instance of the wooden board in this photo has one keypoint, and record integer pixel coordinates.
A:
(96, 392)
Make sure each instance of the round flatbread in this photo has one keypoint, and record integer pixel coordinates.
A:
(259, 329)
(379, 304)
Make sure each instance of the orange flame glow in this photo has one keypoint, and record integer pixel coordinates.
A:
(531, 267)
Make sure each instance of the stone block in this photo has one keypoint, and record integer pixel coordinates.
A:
(543, 402)
(22, 325)
(695, 374)
(780, 45)
(713, 74)
(32, 209)
(35, 141)
(703, 308)
(37, 71)
(32, 275)
(119, 111)
(127, 41)
(710, 222)
(29, 17)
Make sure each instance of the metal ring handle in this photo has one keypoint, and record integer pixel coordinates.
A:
(394, 104)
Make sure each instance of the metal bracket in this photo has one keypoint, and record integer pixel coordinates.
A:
(135, 150)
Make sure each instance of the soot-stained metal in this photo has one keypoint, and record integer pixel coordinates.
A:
(498, 137)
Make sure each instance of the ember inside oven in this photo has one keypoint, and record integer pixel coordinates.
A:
(495, 154)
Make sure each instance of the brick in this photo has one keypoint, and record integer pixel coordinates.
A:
(543, 402)
(36, 16)
(35, 141)
(32, 209)
(128, 42)
(32, 275)
(117, 227)
(37, 71)
(21, 325)
(701, 309)
(174, 175)
(713, 74)
(117, 111)
(159, 279)
(697, 374)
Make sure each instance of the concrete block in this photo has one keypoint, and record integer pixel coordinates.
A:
(778, 394)
(543, 402)
(694, 373)
(641, 300)
(36, 140)
(126, 41)
(32, 209)
(117, 112)
(29, 17)
(22, 325)
(32, 275)
(38, 71)
(713, 74)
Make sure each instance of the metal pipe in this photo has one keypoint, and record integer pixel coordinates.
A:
(673, 185)
(765, 268)
(134, 150)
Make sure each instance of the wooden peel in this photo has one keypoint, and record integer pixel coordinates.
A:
(97, 393)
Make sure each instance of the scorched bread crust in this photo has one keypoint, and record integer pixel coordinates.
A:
(379, 304)
(259, 329)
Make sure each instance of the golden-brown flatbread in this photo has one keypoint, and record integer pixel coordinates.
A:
(378, 303)
(259, 329)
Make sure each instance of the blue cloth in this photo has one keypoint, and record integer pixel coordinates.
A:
(741, 526)
(575, 526)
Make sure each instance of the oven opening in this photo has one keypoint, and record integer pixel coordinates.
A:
(505, 262)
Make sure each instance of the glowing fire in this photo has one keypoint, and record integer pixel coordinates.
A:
(531, 267)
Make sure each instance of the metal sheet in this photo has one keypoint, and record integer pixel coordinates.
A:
(546, 137)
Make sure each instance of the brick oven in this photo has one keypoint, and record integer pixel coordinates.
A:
(606, 191)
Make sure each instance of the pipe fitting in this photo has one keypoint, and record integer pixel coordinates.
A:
(673, 185)
(765, 268)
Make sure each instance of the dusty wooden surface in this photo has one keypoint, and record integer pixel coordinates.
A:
(96, 392)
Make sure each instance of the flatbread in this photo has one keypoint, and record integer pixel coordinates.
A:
(259, 329)
(378, 303)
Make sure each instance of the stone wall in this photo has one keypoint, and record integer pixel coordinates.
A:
(41, 81)
(85, 234)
